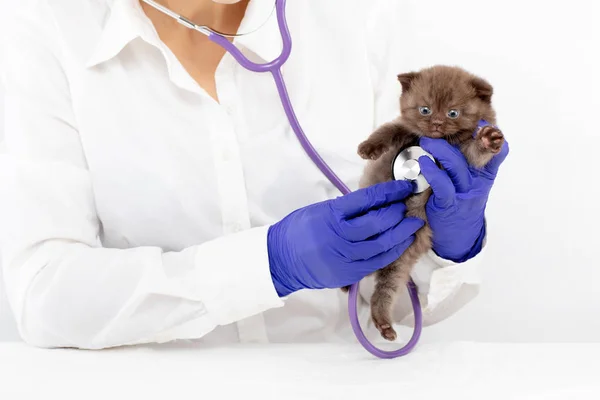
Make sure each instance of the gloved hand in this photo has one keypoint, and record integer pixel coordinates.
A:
(456, 209)
(338, 242)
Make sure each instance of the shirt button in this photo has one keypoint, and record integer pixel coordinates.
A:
(226, 154)
(235, 227)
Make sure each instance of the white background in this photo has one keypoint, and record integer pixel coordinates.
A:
(542, 274)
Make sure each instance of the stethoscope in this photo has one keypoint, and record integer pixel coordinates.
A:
(404, 166)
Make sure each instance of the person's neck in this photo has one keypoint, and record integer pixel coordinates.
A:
(221, 17)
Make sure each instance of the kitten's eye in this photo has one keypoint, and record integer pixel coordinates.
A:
(425, 110)
(453, 114)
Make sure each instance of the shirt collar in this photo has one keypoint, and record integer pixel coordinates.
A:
(124, 24)
(127, 21)
(265, 42)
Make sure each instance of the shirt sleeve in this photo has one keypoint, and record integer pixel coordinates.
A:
(65, 288)
(444, 286)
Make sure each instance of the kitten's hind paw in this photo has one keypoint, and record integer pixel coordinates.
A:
(370, 151)
(491, 139)
(387, 332)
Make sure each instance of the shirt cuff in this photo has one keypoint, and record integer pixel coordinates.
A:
(440, 280)
(236, 280)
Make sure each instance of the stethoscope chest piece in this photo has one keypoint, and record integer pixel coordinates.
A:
(406, 166)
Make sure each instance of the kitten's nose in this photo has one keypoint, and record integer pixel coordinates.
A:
(437, 123)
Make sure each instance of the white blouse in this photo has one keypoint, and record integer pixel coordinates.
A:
(134, 208)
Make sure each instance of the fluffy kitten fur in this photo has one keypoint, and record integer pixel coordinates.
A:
(441, 89)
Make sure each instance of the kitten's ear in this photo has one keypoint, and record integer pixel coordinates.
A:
(407, 79)
(483, 89)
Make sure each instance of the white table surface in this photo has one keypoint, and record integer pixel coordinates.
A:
(302, 371)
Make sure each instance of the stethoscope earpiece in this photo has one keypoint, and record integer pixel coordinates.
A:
(405, 166)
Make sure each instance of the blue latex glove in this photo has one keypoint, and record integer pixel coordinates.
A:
(456, 209)
(336, 243)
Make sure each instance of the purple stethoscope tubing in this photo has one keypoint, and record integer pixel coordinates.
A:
(274, 67)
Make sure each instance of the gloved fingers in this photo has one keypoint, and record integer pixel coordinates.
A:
(384, 259)
(365, 250)
(494, 165)
(372, 223)
(444, 192)
(363, 200)
(453, 161)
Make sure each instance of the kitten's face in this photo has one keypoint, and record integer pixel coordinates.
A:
(444, 102)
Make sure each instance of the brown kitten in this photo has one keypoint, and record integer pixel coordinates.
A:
(438, 102)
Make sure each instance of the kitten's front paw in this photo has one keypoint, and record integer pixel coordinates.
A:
(370, 151)
(491, 139)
